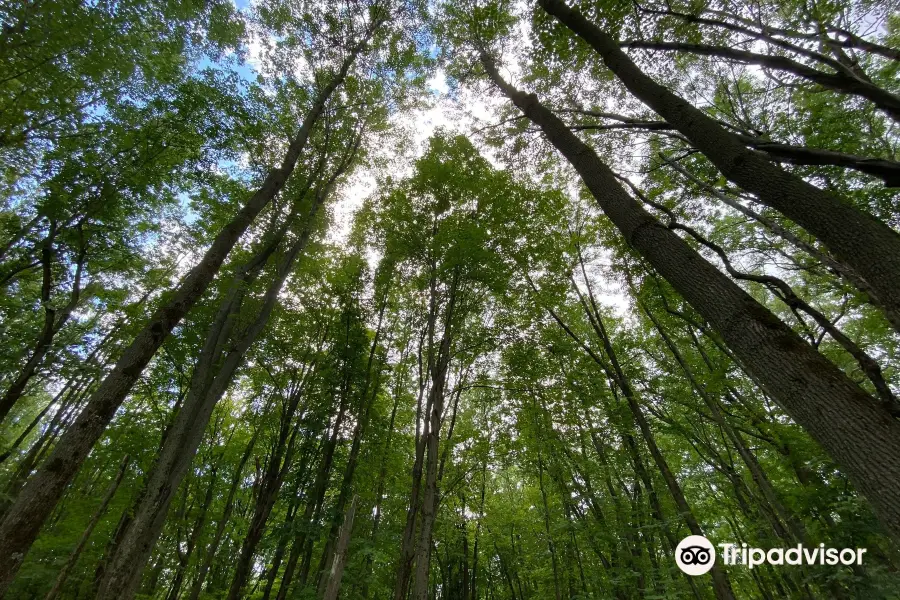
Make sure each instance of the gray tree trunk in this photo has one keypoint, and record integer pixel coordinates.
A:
(861, 437)
(869, 247)
(34, 505)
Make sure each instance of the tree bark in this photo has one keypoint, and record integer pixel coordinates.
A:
(870, 247)
(340, 555)
(408, 539)
(276, 470)
(190, 424)
(208, 559)
(34, 505)
(372, 381)
(82, 542)
(436, 400)
(853, 430)
(303, 539)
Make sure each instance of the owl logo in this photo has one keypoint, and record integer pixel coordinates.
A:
(695, 555)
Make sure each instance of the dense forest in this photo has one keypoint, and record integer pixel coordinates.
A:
(448, 299)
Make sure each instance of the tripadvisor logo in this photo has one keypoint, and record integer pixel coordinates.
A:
(695, 555)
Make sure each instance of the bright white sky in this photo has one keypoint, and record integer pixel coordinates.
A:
(465, 112)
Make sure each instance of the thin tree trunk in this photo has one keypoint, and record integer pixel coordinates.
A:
(382, 477)
(223, 521)
(276, 470)
(340, 554)
(312, 512)
(550, 545)
(436, 401)
(407, 544)
(187, 432)
(184, 558)
(82, 542)
(287, 526)
(358, 433)
(34, 505)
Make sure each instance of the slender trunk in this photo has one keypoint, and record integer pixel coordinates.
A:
(82, 542)
(184, 558)
(276, 470)
(223, 521)
(721, 585)
(340, 555)
(187, 432)
(436, 400)
(861, 437)
(303, 540)
(408, 539)
(33, 458)
(550, 545)
(379, 494)
(78, 381)
(289, 518)
(48, 332)
(478, 535)
(756, 472)
(869, 247)
(372, 381)
(34, 505)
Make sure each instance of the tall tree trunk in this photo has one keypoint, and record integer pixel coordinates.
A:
(276, 470)
(861, 437)
(287, 526)
(373, 381)
(82, 542)
(382, 477)
(757, 474)
(408, 539)
(206, 390)
(336, 571)
(303, 540)
(210, 554)
(48, 331)
(34, 505)
(184, 558)
(478, 535)
(550, 545)
(436, 394)
(869, 247)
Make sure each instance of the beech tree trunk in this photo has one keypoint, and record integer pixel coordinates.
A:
(207, 387)
(861, 437)
(408, 539)
(276, 470)
(372, 380)
(213, 548)
(313, 511)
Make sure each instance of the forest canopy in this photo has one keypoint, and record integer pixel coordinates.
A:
(467, 300)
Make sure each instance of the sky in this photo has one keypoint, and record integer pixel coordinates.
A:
(462, 112)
